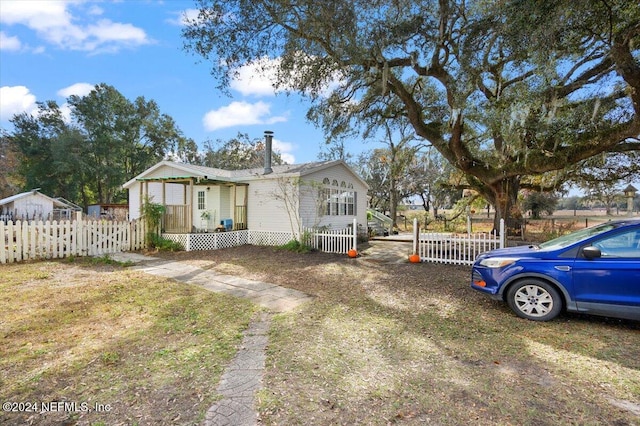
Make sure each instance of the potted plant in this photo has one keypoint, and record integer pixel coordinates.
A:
(205, 217)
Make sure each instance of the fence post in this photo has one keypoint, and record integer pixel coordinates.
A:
(416, 235)
(355, 233)
(503, 237)
(79, 235)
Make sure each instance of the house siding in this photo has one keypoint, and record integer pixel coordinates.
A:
(213, 205)
(265, 207)
(134, 201)
(166, 171)
(341, 174)
(174, 194)
(266, 210)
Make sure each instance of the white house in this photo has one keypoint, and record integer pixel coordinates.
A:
(32, 205)
(282, 198)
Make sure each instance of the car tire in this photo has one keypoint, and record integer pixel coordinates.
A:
(534, 299)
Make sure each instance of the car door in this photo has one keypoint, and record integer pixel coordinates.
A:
(610, 284)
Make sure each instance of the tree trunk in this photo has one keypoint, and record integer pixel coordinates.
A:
(503, 195)
(393, 202)
(425, 203)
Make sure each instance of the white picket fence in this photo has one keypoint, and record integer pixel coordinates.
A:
(328, 241)
(333, 241)
(29, 240)
(459, 249)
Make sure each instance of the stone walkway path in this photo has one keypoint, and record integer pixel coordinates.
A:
(243, 377)
(267, 295)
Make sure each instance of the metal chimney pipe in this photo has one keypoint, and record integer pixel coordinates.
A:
(268, 140)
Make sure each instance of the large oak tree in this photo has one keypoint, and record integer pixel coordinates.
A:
(503, 90)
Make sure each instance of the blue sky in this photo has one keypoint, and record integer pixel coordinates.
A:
(50, 50)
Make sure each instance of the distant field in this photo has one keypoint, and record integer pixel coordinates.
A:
(545, 228)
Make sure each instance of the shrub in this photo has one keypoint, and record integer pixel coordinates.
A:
(163, 244)
(296, 247)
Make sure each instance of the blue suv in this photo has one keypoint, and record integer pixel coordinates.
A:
(594, 271)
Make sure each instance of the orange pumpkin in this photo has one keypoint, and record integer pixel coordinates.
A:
(414, 258)
(352, 253)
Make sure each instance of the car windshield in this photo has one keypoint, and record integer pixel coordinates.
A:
(574, 237)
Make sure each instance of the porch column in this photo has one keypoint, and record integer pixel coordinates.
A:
(190, 206)
(235, 206)
(246, 207)
(140, 203)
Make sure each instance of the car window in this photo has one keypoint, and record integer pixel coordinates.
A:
(626, 244)
(574, 237)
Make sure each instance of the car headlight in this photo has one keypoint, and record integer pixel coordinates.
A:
(498, 262)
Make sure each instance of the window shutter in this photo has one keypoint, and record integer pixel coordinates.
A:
(355, 203)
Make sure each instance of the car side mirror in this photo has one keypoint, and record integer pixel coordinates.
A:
(591, 252)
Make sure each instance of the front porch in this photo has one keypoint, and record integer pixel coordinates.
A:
(198, 205)
(175, 221)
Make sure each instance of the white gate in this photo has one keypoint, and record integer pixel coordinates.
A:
(459, 249)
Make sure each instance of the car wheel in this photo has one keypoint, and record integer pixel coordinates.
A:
(534, 300)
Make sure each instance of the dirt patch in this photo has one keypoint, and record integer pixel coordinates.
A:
(413, 344)
(379, 344)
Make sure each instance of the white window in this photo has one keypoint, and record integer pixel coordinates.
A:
(339, 199)
(201, 201)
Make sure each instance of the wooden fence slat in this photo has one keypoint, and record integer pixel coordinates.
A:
(4, 242)
(43, 240)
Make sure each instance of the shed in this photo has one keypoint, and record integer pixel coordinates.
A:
(108, 211)
(31, 205)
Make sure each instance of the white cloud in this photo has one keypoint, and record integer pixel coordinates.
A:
(95, 10)
(78, 89)
(257, 78)
(184, 17)
(288, 158)
(105, 31)
(15, 100)
(240, 113)
(53, 22)
(284, 148)
(65, 111)
(9, 43)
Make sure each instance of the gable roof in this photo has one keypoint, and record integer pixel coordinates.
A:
(210, 173)
(33, 192)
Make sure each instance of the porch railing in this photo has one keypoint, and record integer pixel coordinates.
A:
(175, 218)
(240, 218)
